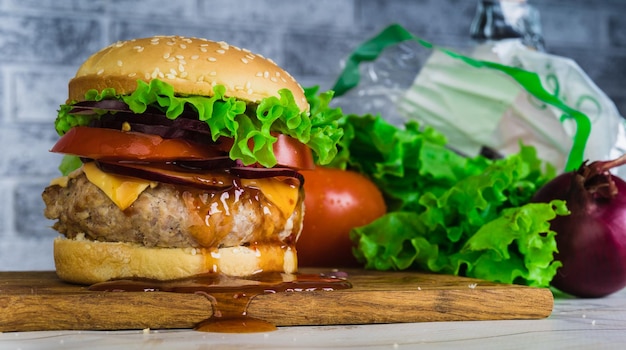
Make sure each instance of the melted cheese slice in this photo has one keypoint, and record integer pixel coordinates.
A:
(284, 196)
(122, 190)
(60, 181)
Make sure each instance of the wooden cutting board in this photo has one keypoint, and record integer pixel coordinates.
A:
(32, 301)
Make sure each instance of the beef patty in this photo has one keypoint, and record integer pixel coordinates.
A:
(171, 216)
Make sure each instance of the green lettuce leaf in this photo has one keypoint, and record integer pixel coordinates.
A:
(516, 247)
(69, 164)
(325, 125)
(230, 117)
(449, 213)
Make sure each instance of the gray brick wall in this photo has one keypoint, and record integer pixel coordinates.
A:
(42, 42)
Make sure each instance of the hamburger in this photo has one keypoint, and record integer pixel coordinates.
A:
(182, 157)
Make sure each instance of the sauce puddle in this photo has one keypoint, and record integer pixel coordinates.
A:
(230, 296)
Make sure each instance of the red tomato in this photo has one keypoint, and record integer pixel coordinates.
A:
(111, 144)
(99, 143)
(335, 202)
(293, 153)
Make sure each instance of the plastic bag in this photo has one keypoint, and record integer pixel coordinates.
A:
(499, 100)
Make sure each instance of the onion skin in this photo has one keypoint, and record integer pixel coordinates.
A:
(592, 239)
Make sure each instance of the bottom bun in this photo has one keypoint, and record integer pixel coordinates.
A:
(83, 261)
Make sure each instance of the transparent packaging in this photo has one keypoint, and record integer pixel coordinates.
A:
(480, 108)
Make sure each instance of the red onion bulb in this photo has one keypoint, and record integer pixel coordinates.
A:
(592, 240)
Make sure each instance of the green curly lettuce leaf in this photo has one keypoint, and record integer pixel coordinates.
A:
(69, 164)
(516, 247)
(448, 213)
(404, 163)
(230, 117)
(325, 124)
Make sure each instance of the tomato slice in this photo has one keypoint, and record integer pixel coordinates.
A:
(112, 144)
(289, 152)
(293, 153)
(100, 143)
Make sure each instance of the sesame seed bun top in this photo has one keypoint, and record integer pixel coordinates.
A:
(192, 66)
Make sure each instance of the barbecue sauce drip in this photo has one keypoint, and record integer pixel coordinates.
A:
(230, 296)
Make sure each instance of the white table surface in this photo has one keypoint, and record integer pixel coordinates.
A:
(574, 324)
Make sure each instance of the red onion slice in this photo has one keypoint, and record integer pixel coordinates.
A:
(259, 173)
(206, 180)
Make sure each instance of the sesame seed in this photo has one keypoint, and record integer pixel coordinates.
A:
(182, 61)
(250, 91)
(220, 51)
(274, 79)
(170, 76)
(244, 60)
(119, 63)
(180, 57)
(181, 67)
(283, 80)
(195, 57)
(171, 59)
(138, 48)
(187, 40)
(119, 44)
(132, 74)
(248, 85)
(212, 59)
(166, 55)
(170, 43)
(182, 46)
(203, 49)
(156, 73)
(246, 50)
(184, 74)
(259, 74)
(270, 60)
(213, 73)
(223, 45)
(161, 75)
(204, 45)
(147, 76)
(173, 71)
(266, 74)
(213, 83)
(250, 56)
(100, 71)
